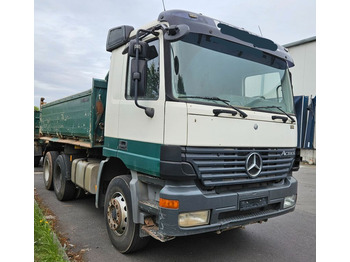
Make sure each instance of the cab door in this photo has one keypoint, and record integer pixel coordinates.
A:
(141, 136)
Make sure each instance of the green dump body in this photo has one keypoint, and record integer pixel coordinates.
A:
(79, 117)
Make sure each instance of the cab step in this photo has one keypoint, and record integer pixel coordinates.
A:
(153, 231)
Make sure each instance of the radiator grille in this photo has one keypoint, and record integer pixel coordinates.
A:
(227, 166)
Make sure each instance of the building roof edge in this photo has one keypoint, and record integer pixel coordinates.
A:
(300, 42)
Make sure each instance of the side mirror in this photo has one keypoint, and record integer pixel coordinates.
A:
(176, 32)
(139, 80)
(141, 51)
(140, 75)
(118, 36)
(145, 51)
(142, 47)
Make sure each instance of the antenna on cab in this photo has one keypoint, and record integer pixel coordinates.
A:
(163, 5)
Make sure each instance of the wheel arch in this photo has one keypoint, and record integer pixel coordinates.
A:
(52, 147)
(109, 168)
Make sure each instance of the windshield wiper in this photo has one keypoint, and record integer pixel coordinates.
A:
(277, 107)
(241, 113)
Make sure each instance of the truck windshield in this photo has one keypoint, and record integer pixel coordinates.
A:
(207, 66)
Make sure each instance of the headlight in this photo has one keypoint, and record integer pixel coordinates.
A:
(192, 219)
(289, 201)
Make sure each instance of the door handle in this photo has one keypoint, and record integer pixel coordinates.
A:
(123, 145)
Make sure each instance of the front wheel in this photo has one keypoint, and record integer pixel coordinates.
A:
(122, 231)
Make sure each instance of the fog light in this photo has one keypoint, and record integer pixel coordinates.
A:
(192, 219)
(289, 201)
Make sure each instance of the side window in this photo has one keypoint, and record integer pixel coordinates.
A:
(152, 89)
(267, 86)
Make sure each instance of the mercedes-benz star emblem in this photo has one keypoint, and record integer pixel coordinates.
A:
(253, 164)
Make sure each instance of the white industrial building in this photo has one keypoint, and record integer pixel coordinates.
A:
(304, 71)
(304, 79)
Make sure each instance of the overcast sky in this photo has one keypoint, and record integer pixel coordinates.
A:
(70, 35)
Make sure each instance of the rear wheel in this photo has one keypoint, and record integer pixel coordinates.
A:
(122, 231)
(64, 188)
(48, 165)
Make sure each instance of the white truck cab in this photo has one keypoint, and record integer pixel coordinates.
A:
(210, 134)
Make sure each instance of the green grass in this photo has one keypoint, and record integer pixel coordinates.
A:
(46, 248)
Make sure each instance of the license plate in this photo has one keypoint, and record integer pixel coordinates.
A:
(252, 203)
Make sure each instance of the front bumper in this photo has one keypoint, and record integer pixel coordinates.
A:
(226, 209)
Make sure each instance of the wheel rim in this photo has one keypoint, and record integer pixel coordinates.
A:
(117, 214)
(46, 170)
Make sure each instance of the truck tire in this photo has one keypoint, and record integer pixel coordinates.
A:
(64, 188)
(122, 231)
(48, 165)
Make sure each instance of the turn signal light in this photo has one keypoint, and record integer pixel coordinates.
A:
(166, 203)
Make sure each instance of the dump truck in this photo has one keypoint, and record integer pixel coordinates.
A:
(192, 130)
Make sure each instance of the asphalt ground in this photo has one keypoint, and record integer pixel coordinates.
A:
(291, 237)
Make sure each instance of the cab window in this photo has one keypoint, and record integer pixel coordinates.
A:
(152, 88)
